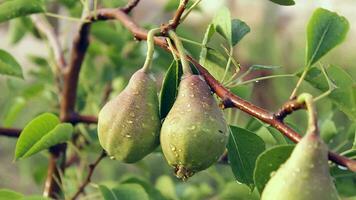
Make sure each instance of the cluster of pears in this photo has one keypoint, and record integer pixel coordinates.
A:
(193, 135)
(305, 175)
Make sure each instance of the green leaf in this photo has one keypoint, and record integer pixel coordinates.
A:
(124, 192)
(328, 130)
(244, 147)
(61, 133)
(152, 192)
(325, 30)
(344, 96)
(222, 24)
(238, 30)
(9, 66)
(41, 133)
(18, 8)
(284, 2)
(268, 162)
(345, 180)
(215, 63)
(15, 109)
(6, 194)
(170, 88)
(166, 186)
(232, 30)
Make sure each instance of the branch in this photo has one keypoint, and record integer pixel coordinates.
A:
(131, 5)
(90, 174)
(174, 23)
(10, 132)
(288, 108)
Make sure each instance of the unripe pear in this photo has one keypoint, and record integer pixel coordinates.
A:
(194, 133)
(129, 124)
(305, 175)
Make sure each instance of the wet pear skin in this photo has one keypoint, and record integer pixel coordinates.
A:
(194, 133)
(129, 124)
(305, 175)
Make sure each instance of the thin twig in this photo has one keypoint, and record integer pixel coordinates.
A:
(10, 132)
(90, 174)
(43, 26)
(174, 23)
(131, 5)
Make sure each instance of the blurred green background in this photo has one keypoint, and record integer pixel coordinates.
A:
(277, 38)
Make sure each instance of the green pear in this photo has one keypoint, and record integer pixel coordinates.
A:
(194, 133)
(305, 175)
(129, 124)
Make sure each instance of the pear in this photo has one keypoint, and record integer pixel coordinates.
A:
(305, 175)
(194, 133)
(129, 124)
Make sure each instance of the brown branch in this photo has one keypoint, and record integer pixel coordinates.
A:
(130, 5)
(288, 108)
(10, 132)
(174, 23)
(90, 174)
(55, 165)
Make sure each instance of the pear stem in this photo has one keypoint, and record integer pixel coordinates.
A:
(312, 118)
(150, 49)
(181, 51)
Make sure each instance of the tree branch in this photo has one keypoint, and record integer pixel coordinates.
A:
(10, 132)
(174, 23)
(90, 174)
(131, 5)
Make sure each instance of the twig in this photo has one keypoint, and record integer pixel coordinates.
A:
(10, 132)
(174, 23)
(131, 5)
(43, 26)
(90, 174)
(288, 108)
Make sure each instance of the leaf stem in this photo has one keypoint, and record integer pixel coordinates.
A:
(294, 93)
(150, 49)
(312, 118)
(262, 78)
(181, 51)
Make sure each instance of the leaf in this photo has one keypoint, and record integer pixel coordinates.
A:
(17, 106)
(215, 63)
(166, 186)
(152, 192)
(61, 133)
(284, 2)
(344, 96)
(124, 192)
(222, 24)
(325, 30)
(170, 88)
(238, 30)
(268, 162)
(41, 133)
(207, 36)
(345, 180)
(328, 130)
(6, 194)
(243, 149)
(9, 66)
(17, 8)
